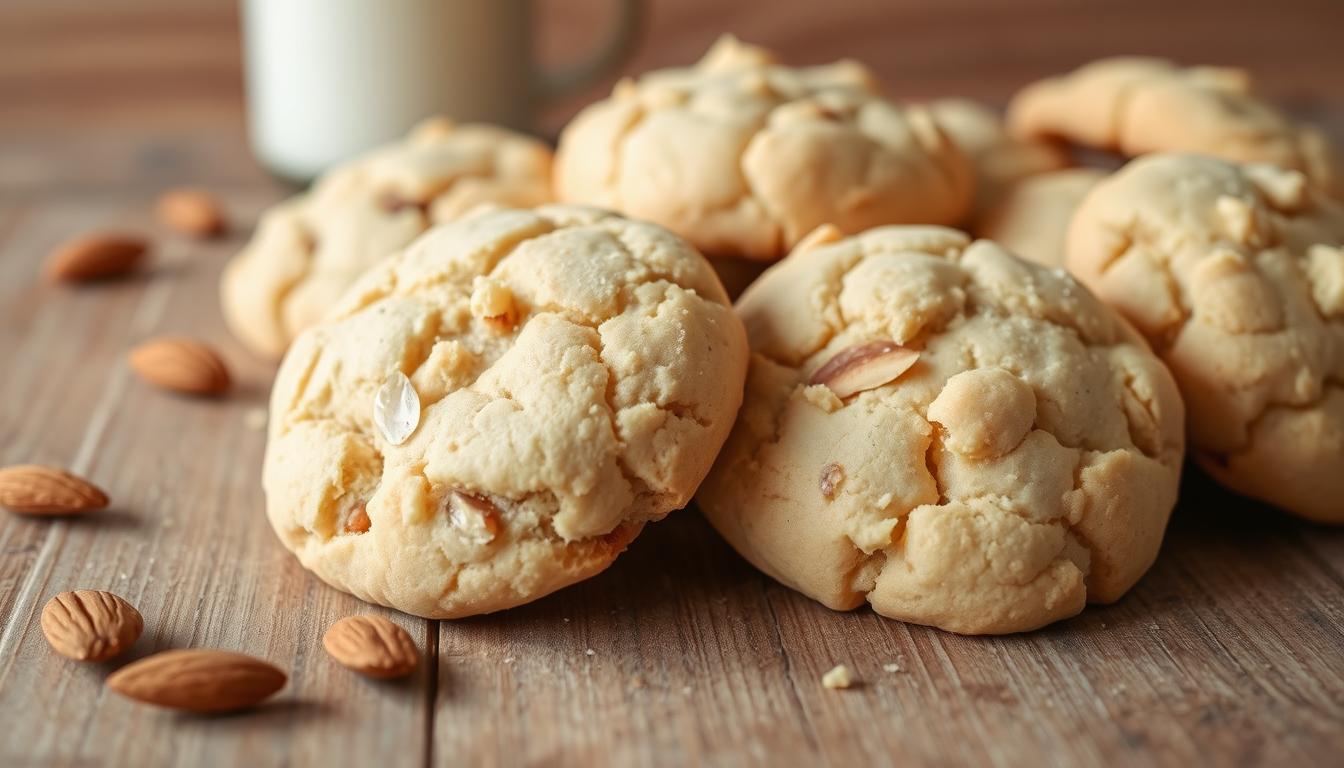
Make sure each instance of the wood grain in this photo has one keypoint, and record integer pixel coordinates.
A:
(1228, 652)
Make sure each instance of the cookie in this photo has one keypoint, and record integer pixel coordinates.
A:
(1235, 274)
(1137, 106)
(1032, 218)
(743, 156)
(999, 160)
(496, 411)
(950, 433)
(309, 249)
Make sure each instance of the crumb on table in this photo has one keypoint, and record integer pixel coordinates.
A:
(838, 677)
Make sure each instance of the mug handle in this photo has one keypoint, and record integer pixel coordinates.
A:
(610, 55)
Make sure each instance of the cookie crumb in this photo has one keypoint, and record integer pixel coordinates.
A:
(891, 667)
(823, 397)
(831, 476)
(508, 659)
(590, 652)
(838, 677)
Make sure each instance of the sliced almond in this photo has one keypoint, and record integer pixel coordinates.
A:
(358, 521)
(198, 680)
(90, 625)
(193, 212)
(476, 518)
(96, 257)
(373, 646)
(182, 365)
(33, 489)
(864, 366)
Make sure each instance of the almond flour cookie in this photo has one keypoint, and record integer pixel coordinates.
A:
(310, 248)
(999, 160)
(1135, 106)
(1236, 276)
(495, 412)
(954, 435)
(744, 156)
(1032, 218)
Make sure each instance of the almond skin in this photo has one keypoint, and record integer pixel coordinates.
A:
(96, 257)
(198, 680)
(182, 365)
(90, 625)
(192, 212)
(864, 366)
(372, 646)
(33, 489)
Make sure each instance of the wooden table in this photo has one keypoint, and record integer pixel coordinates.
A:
(1231, 651)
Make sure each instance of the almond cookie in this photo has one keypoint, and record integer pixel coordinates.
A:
(1236, 276)
(1032, 218)
(310, 248)
(999, 160)
(957, 436)
(495, 412)
(1136, 106)
(744, 156)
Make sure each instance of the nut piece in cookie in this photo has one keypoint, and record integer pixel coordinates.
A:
(1136, 106)
(307, 250)
(574, 373)
(1024, 465)
(1235, 275)
(744, 156)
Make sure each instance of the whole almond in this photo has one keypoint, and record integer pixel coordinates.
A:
(90, 625)
(864, 366)
(33, 489)
(182, 365)
(198, 680)
(373, 646)
(96, 257)
(192, 212)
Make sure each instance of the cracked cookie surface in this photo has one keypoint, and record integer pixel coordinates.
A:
(1025, 464)
(577, 373)
(744, 156)
(1236, 275)
(1137, 106)
(307, 250)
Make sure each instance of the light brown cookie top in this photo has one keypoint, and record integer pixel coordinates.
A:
(575, 374)
(310, 248)
(1032, 218)
(1236, 275)
(999, 160)
(1024, 464)
(1136, 106)
(744, 156)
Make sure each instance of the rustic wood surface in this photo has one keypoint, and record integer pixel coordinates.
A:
(1231, 651)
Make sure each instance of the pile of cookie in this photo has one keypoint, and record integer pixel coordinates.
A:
(500, 365)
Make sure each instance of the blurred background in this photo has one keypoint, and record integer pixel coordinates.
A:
(98, 94)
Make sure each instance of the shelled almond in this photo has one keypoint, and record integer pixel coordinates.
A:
(192, 212)
(182, 365)
(34, 489)
(373, 646)
(90, 625)
(198, 680)
(96, 256)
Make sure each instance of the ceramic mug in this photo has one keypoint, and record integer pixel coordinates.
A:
(327, 79)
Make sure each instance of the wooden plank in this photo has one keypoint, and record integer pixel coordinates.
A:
(186, 540)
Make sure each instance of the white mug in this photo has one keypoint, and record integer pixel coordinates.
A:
(327, 79)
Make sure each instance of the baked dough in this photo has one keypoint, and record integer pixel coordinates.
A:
(744, 156)
(1025, 464)
(1137, 106)
(1032, 218)
(577, 372)
(1236, 275)
(999, 160)
(309, 249)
